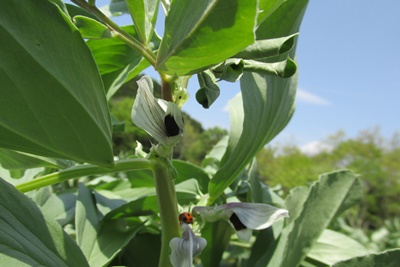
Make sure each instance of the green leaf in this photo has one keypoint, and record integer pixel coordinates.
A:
(144, 16)
(101, 240)
(143, 250)
(29, 238)
(268, 48)
(187, 170)
(209, 89)
(86, 221)
(266, 8)
(230, 70)
(217, 235)
(60, 207)
(283, 21)
(389, 258)
(283, 69)
(118, 63)
(52, 100)
(333, 193)
(268, 104)
(11, 159)
(115, 8)
(199, 34)
(333, 246)
(258, 192)
(91, 28)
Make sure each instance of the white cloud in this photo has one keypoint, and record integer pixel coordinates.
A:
(315, 147)
(307, 97)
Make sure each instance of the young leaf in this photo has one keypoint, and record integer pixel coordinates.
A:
(333, 193)
(199, 34)
(91, 28)
(144, 16)
(209, 89)
(268, 48)
(29, 238)
(389, 258)
(283, 69)
(52, 100)
(230, 70)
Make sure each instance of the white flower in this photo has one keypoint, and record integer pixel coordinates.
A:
(243, 217)
(161, 119)
(184, 249)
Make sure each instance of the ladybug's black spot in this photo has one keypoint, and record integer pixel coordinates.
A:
(237, 223)
(171, 126)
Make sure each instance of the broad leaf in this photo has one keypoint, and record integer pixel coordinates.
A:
(29, 238)
(118, 63)
(11, 159)
(199, 34)
(52, 98)
(389, 258)
(266, 8)
(60, 207)
(268, 104)
(101, 240)
(187, 170)
(333, 246)
(144, 16)
(284, 21)
(333, 193)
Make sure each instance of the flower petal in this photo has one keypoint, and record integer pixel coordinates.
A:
(147, 113)
(184, 249)
(256, 215)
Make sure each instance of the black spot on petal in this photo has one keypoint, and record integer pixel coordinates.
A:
(171, 126)
(237, 223)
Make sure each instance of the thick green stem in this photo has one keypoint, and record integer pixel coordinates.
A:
(83, 170)
(167, 204)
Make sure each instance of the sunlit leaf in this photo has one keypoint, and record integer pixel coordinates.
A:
(144, 16)
(52, 98)
(91, 28)
(199, 34)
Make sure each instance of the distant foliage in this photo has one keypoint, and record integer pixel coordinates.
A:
(376, 161)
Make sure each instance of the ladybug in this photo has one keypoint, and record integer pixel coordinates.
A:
(186, 217)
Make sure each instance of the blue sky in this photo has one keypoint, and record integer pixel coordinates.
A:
(349, 68)
(349, 73)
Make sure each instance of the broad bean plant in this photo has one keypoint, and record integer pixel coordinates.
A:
(66, 200)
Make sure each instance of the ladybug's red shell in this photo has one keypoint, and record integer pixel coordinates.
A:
(186, 217)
